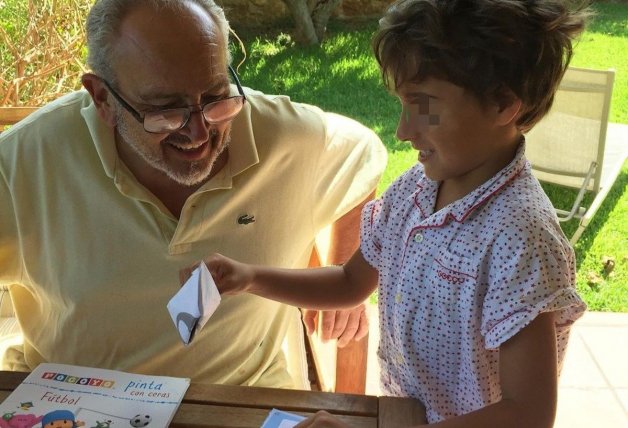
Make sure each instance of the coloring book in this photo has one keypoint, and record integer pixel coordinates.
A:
(67, 396)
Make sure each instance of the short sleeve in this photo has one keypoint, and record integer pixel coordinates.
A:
(370, 244)
(348, 169)
(374, 224)
(9, 250)
(532, 272)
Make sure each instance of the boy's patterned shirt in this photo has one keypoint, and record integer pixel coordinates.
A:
(456, 284)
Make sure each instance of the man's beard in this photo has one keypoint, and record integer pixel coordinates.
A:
(196, 171)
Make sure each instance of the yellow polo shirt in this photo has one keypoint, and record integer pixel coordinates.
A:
(91, 258)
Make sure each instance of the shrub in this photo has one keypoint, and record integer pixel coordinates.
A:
(42, 49)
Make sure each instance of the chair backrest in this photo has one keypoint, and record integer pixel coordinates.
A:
(565, 144)
(12, 115)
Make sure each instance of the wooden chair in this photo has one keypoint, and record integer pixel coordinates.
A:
(338, 369)
(12, 115)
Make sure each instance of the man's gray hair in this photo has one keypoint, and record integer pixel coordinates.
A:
(105, 17)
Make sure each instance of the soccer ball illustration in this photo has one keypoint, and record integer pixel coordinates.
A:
(140, 420)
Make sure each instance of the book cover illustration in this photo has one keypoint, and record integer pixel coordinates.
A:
(67, 396)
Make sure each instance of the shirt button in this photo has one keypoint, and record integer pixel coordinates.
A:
(398, 298)
(418, 237)
(399, 358)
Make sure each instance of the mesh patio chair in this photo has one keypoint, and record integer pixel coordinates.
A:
(574, 146)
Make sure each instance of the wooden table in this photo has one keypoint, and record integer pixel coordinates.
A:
(241, 406)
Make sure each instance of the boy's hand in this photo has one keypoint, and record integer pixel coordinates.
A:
(321, 419)
(231, 277)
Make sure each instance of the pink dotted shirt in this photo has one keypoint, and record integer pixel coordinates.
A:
(456, 284)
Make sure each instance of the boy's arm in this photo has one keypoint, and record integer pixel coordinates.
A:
(529, 376)
(332, 287)
(348, 324)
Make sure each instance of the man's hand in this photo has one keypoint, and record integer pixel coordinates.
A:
(346, 325)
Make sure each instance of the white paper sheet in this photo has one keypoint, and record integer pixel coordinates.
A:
(194, 303)
(280, 419)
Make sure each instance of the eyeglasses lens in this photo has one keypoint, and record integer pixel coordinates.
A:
(223, 110)
(165, 120)
(174, 119)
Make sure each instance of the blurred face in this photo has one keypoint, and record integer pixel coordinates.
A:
(457, 138)
(167, 61)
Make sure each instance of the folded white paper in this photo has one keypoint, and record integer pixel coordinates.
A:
(194, 303)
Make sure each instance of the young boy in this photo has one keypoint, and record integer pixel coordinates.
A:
(476, 279)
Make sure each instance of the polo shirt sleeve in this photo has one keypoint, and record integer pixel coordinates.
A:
(9, 251)
(532, 271)
(348, 168)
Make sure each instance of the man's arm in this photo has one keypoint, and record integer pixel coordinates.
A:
(350, 324)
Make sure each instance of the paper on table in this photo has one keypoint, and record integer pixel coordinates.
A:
(280, 419)
(194, 303)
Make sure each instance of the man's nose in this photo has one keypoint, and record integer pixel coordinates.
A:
(197, 128)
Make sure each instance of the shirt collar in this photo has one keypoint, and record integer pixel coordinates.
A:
(461, 209)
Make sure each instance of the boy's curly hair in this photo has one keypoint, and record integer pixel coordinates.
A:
(485, 46)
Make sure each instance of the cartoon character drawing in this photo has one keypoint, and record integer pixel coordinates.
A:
(26, 406)
(103, 424)
(7, 416)
(11, 420)
(60, 419)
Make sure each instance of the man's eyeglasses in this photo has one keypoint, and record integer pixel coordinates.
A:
(173, 119)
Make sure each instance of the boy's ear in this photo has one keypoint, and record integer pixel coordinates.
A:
(508, 106)
(100, 96)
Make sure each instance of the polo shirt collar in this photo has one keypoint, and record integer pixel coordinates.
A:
(102, 136)
(244, 153)
(243, 138)
(461, 209)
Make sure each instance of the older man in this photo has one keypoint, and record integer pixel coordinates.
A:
(106, 193)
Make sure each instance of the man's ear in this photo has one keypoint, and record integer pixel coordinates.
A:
(101, 98)
(508, 106)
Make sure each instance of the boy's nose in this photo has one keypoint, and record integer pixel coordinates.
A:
(405, 129)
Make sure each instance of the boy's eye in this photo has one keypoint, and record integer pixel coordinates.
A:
(422, 111)
(423, 101)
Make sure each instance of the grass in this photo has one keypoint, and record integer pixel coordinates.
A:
(605, 45)
(341, 76)
(351, 86)
(42, 49)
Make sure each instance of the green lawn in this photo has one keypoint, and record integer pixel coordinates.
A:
(342, 76)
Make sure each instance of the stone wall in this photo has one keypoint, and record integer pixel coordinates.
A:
(260, 13)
